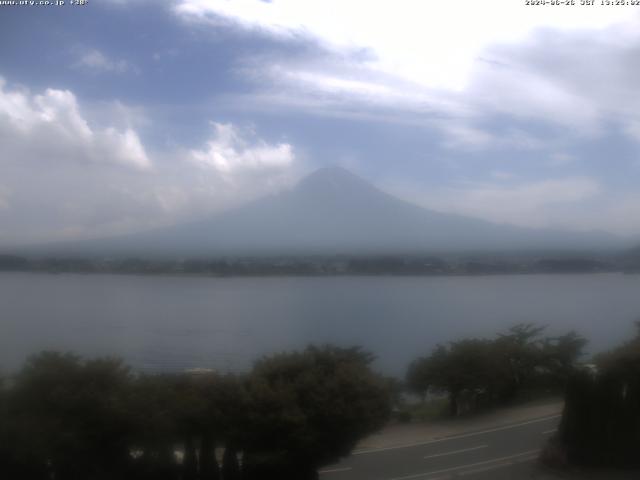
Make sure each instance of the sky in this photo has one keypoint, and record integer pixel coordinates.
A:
(119, 116)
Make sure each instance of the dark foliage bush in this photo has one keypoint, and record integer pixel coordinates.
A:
(66, 418)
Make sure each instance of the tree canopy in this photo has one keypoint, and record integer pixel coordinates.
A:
(68, 418)
(601, 420)
(475, 372)
(310, 408)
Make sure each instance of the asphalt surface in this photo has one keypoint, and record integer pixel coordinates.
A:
(506, 452)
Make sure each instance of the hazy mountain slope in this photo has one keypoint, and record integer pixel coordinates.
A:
(332, 211)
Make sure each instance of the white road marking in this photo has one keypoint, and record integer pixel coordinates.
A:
(498, 466)
(334, 470)
(454, 437)
(462, 467)
(547, 432)
(453, 452)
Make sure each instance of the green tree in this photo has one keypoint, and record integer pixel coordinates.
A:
(475, 372)
(560, 356)
(601, 420)
(308, 409)
(70, 416)
(465, 367)
(156, 409)
(520, 352)
(224, 424)
(420, 377)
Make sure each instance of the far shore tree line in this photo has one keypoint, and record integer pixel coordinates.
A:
(65, 418)
(275, 265)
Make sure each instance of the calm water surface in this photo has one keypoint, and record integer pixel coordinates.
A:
(173, 323)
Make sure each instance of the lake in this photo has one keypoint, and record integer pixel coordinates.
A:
(173, 322)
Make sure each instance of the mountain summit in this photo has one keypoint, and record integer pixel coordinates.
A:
(336, 179)
(334, 211)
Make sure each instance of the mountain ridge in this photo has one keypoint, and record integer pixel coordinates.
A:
(334, 211)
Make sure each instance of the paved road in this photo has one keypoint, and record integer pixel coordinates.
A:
(507, 452)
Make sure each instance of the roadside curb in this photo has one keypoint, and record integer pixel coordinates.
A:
(489, 427)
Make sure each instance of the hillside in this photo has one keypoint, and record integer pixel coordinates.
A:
(335, 211)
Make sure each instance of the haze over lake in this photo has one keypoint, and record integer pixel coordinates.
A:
(173, 323)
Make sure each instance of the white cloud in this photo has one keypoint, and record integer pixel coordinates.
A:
(165, 53)
(49, 127)
(501, 175)
(229, 153)
(616, 214)
(433, 44)
(345, 82)
(525, 94)
(545, 203)
(96, 61)
(461, 135)
(632, 129)
(453, 65)
(4, 198)
(560, 159)
(123, 147)
(67, 178)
